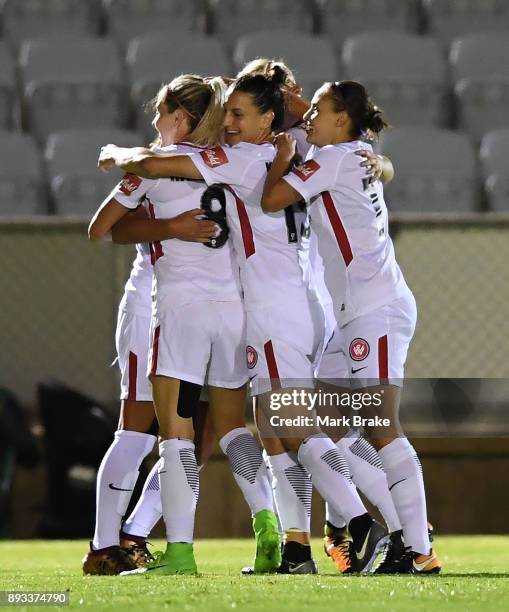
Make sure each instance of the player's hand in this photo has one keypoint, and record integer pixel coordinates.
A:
(286, 146)
(373, 164)
(188, 226)
(107, 157)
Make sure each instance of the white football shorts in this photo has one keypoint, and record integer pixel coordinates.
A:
(200, 342)
(371, 349)
(132, 341)
(283, 344)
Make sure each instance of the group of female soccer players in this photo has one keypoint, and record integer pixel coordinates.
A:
(256, 267)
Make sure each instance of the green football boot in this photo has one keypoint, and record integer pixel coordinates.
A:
(178, 558)
(268, 542)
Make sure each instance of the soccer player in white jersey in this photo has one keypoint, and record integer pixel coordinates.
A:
(374, 308)
(198, 333)
(276, 296)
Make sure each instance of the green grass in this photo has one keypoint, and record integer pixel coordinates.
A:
(475, 577)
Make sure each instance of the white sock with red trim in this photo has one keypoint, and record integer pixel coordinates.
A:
(330, 475)
(292, 492)
(248, 467)
(116, 478)
(406, 484)
(148, 510)
(180, 488)
(369, 477)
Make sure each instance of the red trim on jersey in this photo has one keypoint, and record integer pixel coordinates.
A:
(156, 248)
(272, 365)
(245, 225)
(337, 228)
(133, 375)
(155, 351)
(383, 360)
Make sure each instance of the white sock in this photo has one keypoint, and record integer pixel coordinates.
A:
(116, 478)
(333, 517)
(406, 484)
(369, 477)
(330, 475)
(180, 488)
(292, 492)
(148, 510)
(248, 467)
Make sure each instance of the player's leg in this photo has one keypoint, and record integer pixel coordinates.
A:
(133, 440)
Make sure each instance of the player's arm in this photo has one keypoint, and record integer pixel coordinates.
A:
(277, 193)
(105, 218)
(146, 163)
(378, 167)
(136, 227)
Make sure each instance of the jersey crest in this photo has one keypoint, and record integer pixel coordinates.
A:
(359, 349)
(214, 157)
(306, 170)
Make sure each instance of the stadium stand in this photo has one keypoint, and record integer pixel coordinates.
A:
(436, 170)
(495, 168)
(342, 18)
(447, 19)
(76, 186)
(23, 19)
(71, 80)
(405, 74)
(155, 58)
(481, 81)
(232, 19)
(22, 190)
(128, 18)
(7, 87)
(311, 57)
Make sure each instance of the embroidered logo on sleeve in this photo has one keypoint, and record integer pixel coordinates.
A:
(129, 183)
(306, 170)
(214, 157)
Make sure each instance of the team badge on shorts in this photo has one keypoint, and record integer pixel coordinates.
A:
(359, 349)
(129, 183)
(251, 357)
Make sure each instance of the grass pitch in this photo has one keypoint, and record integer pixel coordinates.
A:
(475, 577)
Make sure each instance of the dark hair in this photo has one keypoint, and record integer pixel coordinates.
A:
(267, 92)
(353, 97)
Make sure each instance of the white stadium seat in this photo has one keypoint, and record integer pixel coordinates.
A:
(495, 168)
(7, 87)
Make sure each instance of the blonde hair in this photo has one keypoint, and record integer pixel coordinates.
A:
(265, 66)
(202, 100)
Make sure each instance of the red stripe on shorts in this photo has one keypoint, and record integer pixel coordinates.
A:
(337, 228)
(272, 365)
(383, 360)
(133, 375)
(245, 225)
(156, 248)
(155, 351)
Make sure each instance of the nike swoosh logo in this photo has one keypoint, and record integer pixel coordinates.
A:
(363, 549)
(421, 566)
(392, 486)
(294, 570)
(114, 488)
(252, 377)
(358, 370)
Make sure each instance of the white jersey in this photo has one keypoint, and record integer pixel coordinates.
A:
(267, 245)
(349, 216)
(185, 272)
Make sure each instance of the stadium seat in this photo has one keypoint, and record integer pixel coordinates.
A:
(71, 81)
(7, 87)
(22, 190)
(404, 74)
(155, 58)
(495, 168)
(23, 19)
(479, 66)
(311, 58)
(232, 19)
(128, 18)
(77, 186)
(436, 170)
(447, 19)
(342, 18)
